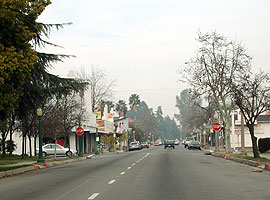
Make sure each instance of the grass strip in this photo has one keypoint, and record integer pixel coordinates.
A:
(11, 168)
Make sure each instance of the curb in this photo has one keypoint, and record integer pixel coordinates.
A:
(14, 172)
(243, 161)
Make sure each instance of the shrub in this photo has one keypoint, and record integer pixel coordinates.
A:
(264, 144)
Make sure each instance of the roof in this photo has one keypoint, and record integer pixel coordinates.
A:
(263, 118)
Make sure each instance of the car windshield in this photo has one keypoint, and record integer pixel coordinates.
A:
(195, 142)
(133, 143)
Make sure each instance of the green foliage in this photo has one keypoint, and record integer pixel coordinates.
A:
(134, 102)
(17, 57)
(121, 107)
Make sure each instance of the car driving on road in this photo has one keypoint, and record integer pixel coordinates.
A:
(194, 145)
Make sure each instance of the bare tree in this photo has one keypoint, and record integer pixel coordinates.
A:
(101, 86)
(217, 64)
(252, 95)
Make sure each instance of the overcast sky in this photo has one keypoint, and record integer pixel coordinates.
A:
(142, 43)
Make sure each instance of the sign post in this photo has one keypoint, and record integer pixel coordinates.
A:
(216, 126)
(79, 132)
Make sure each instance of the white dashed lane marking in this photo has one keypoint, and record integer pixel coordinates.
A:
(94, 196)
(111, 182)
(129, 168)
(122, 173)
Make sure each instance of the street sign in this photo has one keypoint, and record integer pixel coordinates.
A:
(79, 131)
(216, 126)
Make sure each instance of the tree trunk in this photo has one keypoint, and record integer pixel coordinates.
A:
(254, 141)
(23, 147)
(228, 135)
(35, 145)
(30, 145)
(11, 143)
(3, 141)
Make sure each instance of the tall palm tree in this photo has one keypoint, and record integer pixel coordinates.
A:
(134, 102)
(121, 107)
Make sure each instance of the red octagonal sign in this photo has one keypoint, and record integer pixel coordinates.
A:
(216, 126)
(79, 131)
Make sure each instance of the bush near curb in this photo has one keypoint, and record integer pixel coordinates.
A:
(264, 144)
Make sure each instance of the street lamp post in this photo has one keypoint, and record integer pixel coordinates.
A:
(39, 114)
(97, 140)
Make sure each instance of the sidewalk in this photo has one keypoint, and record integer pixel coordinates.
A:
(261, 165)
(36, 166)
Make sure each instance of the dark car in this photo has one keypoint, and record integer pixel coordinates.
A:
(169, 143)
(194, 145)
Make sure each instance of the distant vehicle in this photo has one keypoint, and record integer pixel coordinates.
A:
(176, 142)
(169, 143)
(48, 149)
(135, 146)
(144, 145)
(194, 145)
(157, 143)
(186, 141)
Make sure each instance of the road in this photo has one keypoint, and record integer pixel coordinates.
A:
(153, 174)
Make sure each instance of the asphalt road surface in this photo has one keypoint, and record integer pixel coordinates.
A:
(148, 174)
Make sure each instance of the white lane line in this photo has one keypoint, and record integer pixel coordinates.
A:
(111, 182)
(140, 159)
(94, 196)
(129, 168)
(133, 164)
(137, 161)
(122, 173)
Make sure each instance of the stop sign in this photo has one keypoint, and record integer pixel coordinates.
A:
(216, 126)
(79, 131)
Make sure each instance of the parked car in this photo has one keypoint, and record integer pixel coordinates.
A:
(135, 146)
(176, 142)
(48, 149)
(144, 145)
(157, 143)
(194, 145)
(169, 143)
(186, 141)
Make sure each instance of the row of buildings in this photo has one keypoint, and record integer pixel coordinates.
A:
(93, 125)
(261, 130)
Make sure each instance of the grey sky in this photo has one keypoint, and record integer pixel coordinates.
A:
(142, 43)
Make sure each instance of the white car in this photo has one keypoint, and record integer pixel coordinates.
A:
(48, 149)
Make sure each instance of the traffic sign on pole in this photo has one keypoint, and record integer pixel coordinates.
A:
(79, 131)
(216, 126)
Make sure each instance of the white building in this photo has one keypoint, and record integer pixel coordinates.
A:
(261, 130)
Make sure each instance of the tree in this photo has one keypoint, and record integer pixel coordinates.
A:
(218, 63)
(101, 86)
(121, 108)
(192, 114)
(252, 95)
(17, 56)
(134, 102)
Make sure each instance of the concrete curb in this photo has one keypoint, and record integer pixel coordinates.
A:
(37, 167)
(243, 161)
